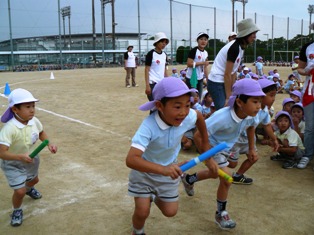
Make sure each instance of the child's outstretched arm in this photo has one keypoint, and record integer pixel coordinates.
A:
(52, 147)
(202, 144)
(135, 161)
(6, 155)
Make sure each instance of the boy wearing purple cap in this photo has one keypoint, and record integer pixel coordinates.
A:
(155, 174)
(296, 96)
(225, 125)
(18, 138)
(291, 148)
(263, 119)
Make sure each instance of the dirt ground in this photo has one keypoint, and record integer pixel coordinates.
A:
(92, 117)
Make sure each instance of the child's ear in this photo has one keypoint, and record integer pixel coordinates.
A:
(159, 105)
(14, 109)
(239, 102)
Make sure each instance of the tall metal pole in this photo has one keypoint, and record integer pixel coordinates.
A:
(70, 40)
(94, 29)
(59, 20)
(287, 39)
(215, 32)
(63, 17)
(243, 9)
(139, 31)
(272, 37)
(301, 31)
(255, 16)
(232, 15)
(190, 28)
(102, 32)
(171, 36)
(113, 31)
(11, 40)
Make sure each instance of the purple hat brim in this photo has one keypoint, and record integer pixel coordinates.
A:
(7, 115)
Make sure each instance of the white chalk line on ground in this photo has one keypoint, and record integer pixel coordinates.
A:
(72, 196)
(68, 197)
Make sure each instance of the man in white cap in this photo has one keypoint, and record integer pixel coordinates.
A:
(232, 36)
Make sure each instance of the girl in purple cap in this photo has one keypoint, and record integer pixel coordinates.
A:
(225, 125)
(155, 174)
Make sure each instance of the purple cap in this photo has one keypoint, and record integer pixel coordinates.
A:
(265, 83)
(296, 93)
(263, 77)
(287, 100)
(298, 105)
(248, 87)
(259, 58)
(168, 87)
(280, 113)
(275, 75)
(182, 72)
(254, 75)
(296, 57)
(271, 72)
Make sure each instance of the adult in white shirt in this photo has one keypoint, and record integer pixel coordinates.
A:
(130, 67)
(223, 73)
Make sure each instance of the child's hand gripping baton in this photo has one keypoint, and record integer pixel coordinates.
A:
(206, 155)
(39, 148)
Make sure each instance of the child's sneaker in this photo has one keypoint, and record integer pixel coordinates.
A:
(223, 220)
(241, 179)
(189, 188)
(277, 157)
(34, 193)
(289, 164)
(17, 217)
(303, 162)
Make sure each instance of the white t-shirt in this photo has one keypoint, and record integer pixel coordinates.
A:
(230, 52)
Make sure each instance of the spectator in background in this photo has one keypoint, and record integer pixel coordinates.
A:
(232, 36)
(223, 73)
(130, 67)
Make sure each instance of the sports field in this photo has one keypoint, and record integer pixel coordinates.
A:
(92, 117)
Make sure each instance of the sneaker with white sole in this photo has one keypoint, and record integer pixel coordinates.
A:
(223, 220)
(189, 188)
(17, 217)
(34, 193)
(303, 162)
(241, 179)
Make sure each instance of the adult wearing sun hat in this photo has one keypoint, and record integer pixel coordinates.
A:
(223, 73)
(130, 66)
(155, 64)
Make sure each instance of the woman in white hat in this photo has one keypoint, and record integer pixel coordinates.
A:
(223, 73)
(155, 64)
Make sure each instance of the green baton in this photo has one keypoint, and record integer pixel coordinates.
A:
(39, 148)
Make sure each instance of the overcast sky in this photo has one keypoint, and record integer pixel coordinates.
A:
(40, 17)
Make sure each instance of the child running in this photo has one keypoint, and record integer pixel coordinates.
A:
(155, 174)
(225, 125)
(18, 138)
(242, 147)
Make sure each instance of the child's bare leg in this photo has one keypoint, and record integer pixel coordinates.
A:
(223, 188)
(168, 209)
(17, 198)
(32, 183)
(141, 212)
(245, 166)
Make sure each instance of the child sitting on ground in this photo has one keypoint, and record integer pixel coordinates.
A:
(174, 73)
(206, 105)
(297, 115)
(296, 96)
(291, 148)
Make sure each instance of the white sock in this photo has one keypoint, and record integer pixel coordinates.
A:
(138, 231)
